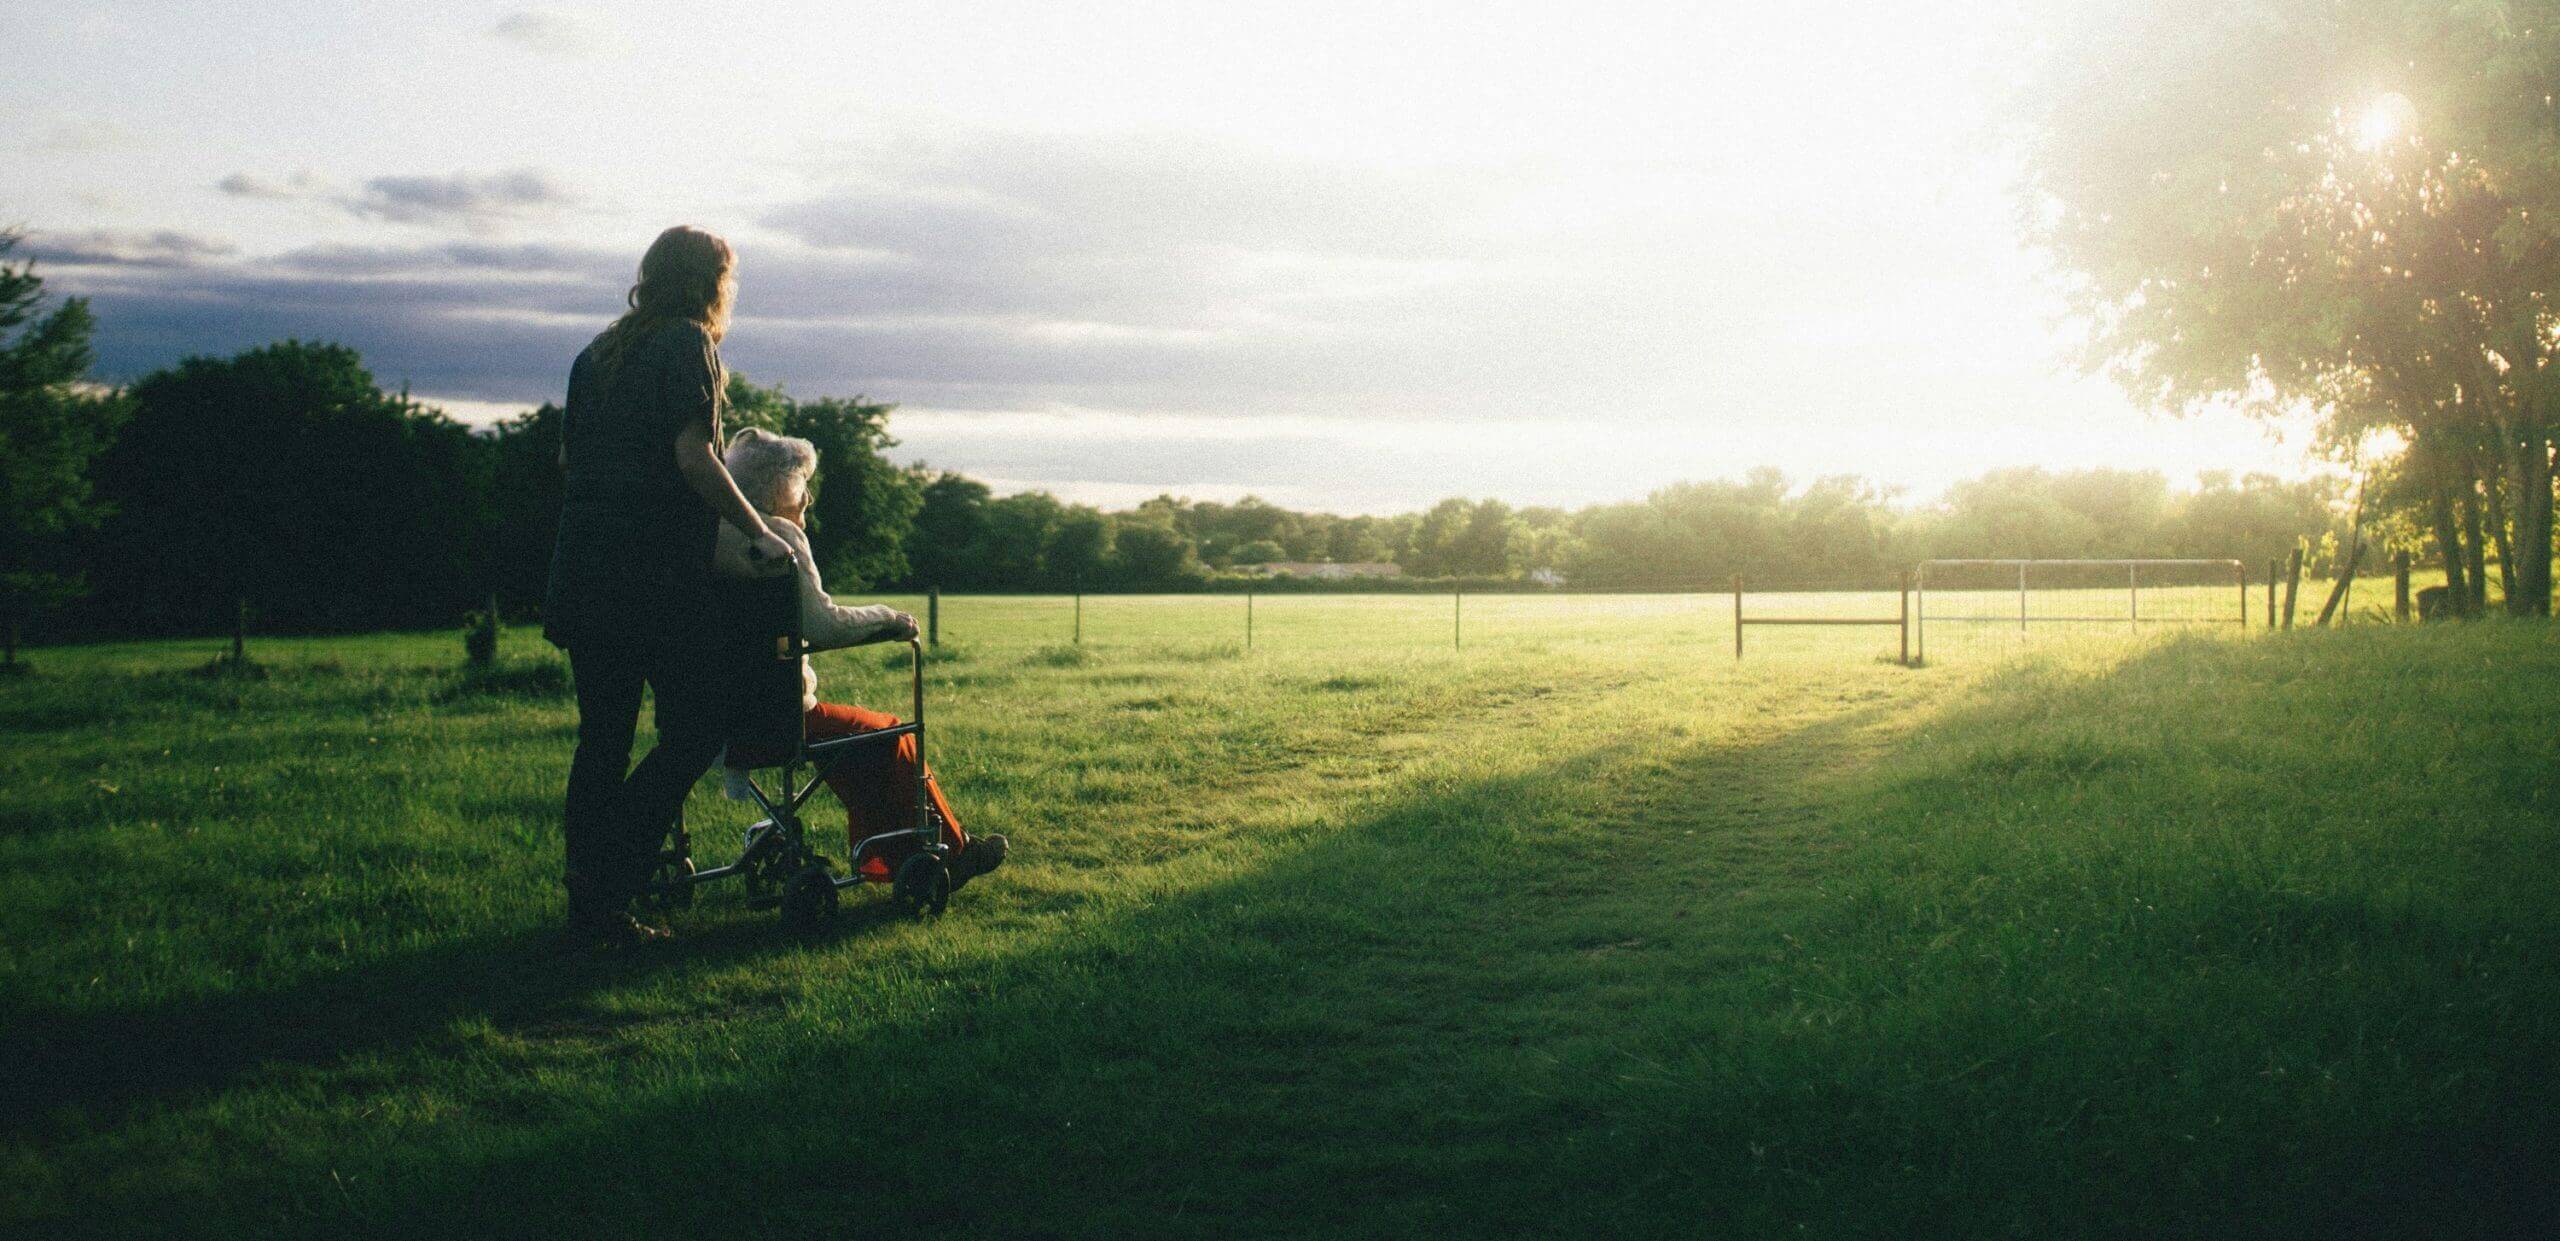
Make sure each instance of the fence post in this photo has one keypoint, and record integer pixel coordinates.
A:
(2022, 596)
(1079, 639)
(2275, 569)
(2292, 583)
(1906, 618)
(1248, 620)
(933, 616)
(1457, 608)
(1737, 616)
(2133, 597)
(240, 632)
(2400, 587)
(1920, 602)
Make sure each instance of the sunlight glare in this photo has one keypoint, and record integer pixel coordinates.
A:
(2385, 119)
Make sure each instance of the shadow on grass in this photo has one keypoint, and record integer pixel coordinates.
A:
(1306, 1042)
(101, 1060)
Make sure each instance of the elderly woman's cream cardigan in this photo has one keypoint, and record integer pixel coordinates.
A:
(824, 624)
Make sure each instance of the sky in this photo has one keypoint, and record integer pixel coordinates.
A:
(1354, 257)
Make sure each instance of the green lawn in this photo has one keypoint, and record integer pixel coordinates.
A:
(1585, 929)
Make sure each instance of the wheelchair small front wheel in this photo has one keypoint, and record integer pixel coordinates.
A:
(808, 897)
(923, 885)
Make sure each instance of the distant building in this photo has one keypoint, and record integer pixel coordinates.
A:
(1322, 572)
(1546, 577)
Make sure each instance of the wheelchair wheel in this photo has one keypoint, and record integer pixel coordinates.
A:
(809, 898)
(923, 885)
(671, 887)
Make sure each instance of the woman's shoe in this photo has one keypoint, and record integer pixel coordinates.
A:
(614, 930)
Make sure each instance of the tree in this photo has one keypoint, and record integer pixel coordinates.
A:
(1434, 548)
(1357, 540)
(1014, 552)
(1081, 545)
(946, 545)
(1484, 547)
(525, 490)
(50, 432)
(285, 478)
(1150, 551)
(2350, 207)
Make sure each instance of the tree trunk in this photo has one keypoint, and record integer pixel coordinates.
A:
(2449, 544)
(2527, 561)
(2355, 553)
(2346, 579)
(2533, 524)
(2494, 491)
(2475, 551)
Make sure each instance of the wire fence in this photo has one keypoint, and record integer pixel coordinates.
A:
(1972, 607)
(1942, 609)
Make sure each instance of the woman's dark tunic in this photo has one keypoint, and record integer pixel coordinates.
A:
(633, 561)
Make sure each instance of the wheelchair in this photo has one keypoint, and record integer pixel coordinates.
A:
(760, 646)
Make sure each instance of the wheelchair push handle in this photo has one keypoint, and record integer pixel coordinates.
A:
(915, 667)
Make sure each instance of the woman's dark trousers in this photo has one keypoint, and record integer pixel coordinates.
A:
(615, 822)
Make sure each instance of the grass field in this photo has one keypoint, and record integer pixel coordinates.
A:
(1586, 928)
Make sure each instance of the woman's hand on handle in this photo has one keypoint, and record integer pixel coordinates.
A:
(903, 629)
(698, 460)
(768, 553)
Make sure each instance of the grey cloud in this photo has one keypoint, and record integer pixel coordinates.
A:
(1145, 274)
(548, 32)
(477, 257)
(251, 185)
(474, 200)
(464, 320)
(109, 248)
(458, 197)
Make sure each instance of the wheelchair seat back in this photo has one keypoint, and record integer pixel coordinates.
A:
(760, 651)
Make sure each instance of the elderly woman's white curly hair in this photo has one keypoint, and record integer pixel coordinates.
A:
(772, 470)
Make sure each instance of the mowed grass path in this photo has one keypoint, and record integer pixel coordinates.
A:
(1589, 931)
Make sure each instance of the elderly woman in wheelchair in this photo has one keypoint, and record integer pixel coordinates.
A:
(899, 827)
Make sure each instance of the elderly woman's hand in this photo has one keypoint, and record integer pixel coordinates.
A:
(903, 628)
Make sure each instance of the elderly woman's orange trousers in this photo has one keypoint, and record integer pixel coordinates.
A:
(877, 784)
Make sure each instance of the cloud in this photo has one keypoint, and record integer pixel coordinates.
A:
(458, 197)
(480, 259)
(475, 201)
(251, 185)
(548, 32)
(111, 248)
(465, 319)
(1141, 274)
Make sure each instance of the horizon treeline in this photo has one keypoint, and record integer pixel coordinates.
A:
(287, 479)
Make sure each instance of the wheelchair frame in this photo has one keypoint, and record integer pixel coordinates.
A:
(776, 862)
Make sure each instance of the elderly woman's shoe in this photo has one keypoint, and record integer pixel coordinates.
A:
(982, 854)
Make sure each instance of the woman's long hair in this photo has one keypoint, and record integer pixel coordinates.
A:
(688, 274)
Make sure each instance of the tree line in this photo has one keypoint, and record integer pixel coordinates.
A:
(287, 479)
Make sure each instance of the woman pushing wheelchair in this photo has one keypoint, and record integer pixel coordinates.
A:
(646, 498)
